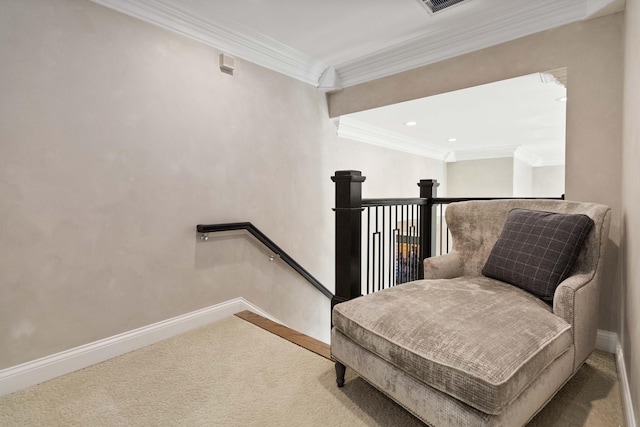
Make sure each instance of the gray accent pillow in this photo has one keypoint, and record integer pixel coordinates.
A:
(537, 250)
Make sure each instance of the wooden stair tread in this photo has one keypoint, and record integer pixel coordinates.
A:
(304, 341)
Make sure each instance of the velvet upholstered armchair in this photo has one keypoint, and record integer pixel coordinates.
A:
(497, 326)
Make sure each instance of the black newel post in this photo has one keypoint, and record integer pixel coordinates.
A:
(348, 235)
(428, 190)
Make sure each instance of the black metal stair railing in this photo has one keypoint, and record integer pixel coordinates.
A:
(262, 238)
(391, 239)
(382, 242)
(395, 237)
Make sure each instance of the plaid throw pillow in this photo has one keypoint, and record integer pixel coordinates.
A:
(537, 250)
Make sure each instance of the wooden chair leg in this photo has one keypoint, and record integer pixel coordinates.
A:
(340, 370)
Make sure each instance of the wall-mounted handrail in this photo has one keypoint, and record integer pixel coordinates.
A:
(262, 238)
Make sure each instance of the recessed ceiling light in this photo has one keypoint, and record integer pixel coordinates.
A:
(452, 139)
(412, 123)
(562, 99)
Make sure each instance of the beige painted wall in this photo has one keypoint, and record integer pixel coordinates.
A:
(480, 178)
(389, 173)
(116, 139)
(630, 328)
(503, 177)
(592, 51)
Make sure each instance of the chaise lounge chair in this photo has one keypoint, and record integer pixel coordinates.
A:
(497, 326)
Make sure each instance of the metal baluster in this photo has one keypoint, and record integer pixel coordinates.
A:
(396, 248)
(376, 261)
(447, 228)
(382, 275)
(416, 259)
(368, 246)
(377, 258)
(413, 243)
(410, 241)
(417, 243)
(412, 262)
(440, 230)
(420, 261)
(402, 260)
(390, 259)
(405, 232)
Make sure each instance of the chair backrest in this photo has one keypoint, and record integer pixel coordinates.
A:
(475, 227)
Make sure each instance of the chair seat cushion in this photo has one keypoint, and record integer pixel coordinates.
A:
(477, 339)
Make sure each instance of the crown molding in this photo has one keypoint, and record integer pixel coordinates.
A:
(526, 156)
(597, 8)
(467, 34)
(515, 151)
(226, 35)
(484, 153)
(446, 36)
(549, 162)
(358, 131)
(537, 160)
(464, 35)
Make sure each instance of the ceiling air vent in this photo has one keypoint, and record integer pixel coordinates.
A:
(435, 6)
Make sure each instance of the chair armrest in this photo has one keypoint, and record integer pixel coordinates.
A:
(564, 297)
(445, 266)
(576, 301)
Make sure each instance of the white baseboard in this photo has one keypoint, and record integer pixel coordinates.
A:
(37, 371)
(607, 341)
(627, 403)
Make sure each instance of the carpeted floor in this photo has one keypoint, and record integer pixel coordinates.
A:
(591, 398)
(232, 373)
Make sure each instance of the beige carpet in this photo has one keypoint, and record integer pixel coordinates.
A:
(592, 397)
(232, 373)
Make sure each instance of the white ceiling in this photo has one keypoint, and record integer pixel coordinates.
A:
(522, 117)
(333, 44)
